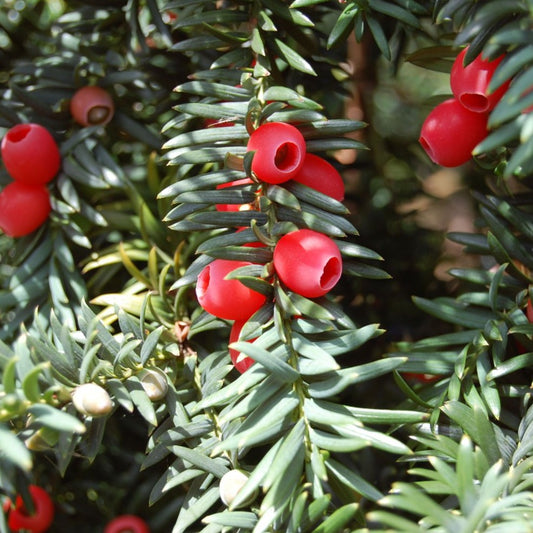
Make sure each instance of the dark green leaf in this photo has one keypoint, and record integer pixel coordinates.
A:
(217, 90)
(343, 25)
(379, 36)
(396, 12)
(450, 311)
(283, 371)
(337, 381)
(51, 417)
(294, 59)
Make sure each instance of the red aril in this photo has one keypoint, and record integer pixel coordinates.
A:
(279, 151)
(92, 106)
(127, 523)
(322, 176)
(529, 310)
(38, 522)
(226, 298)
(23, 208)
(420, 378)
(307, 262)
(30, 154)
(450, 133)
(232, 207)
(470, 83)
(240, 361)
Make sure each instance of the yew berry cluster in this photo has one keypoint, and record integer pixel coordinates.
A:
(455, 127)
(31, 157)
(305, 261)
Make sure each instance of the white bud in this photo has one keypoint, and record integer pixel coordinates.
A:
(230, 485)
(154, 383)
(92, 400)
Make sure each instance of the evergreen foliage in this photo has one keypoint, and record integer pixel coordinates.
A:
(332, 433)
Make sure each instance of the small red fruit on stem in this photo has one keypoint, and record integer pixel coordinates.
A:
(127, 523)
(308, 262)
(30, 154)
(232, 207)
(322, 176)
(240, 361)
(420, 378)
(92, 106)
(450, 133)
(40, 520)
(470, 83)
(529, 310)
(226, 298)
(279, 151)
(23, 208)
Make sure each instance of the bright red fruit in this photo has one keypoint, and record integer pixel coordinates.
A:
(470, 84)
(421, 378)
(127, 523)
(322, 176)
(308, 262)
(232, 207)
(23, 208)
(279, 151)
(241, 362)
(92, 106)
(40, 520)
(226, 298)
(450, 133)
(30, 154)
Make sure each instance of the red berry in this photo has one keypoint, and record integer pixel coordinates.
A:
(450, 133)
(308, 262)
(470, 83)
(23, 208)
(127, 523)
(529, 310)
(226, 298)
(241, 362)
(30, 154)
(92, 106)
(322, 176)
(232, 207)
(40, 520)
(421, 378)
(279, 152)
(214, 123)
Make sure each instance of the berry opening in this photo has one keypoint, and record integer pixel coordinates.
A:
(203, 281)
(18, 133)
(25, 513)
(475, 102)
(331, 273)
(427, 147)
(287, 156)
(98, 114)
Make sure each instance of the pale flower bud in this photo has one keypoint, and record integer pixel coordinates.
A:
(230, 485)
(92, 400)
(154, 383)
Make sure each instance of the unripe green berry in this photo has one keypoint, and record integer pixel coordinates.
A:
(154, 384)
(231, 484)
(92, 400)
